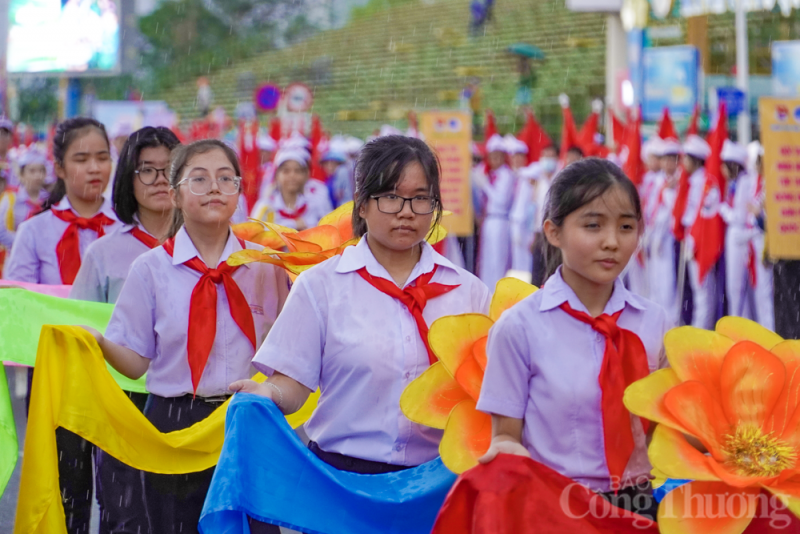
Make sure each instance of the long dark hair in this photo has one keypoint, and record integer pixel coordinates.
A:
(124, 201)
(575, 186)
(66, 133)
(380, 166)
(180, 158)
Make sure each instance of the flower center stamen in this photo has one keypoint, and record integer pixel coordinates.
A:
(753, 453)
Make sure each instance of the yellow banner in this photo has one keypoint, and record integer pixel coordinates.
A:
(780, 135)
(449, 133)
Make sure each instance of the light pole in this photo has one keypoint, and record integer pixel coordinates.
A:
(743, 71)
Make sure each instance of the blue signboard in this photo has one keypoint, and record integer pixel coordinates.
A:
(635, 47)
(734, 99)
(786, 68)
(670, 80)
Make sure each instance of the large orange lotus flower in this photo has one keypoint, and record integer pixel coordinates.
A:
(303, 249)
(445, 395)
(737, 391)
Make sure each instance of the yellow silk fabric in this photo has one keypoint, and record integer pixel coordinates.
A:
(73, 389)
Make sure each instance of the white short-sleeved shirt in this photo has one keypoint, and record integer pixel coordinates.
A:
(152, 317)
(33, 257)
(543, 367)
(314, 202)
(361, 347)
(106, 264)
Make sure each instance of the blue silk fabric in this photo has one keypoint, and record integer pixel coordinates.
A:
(266, 472)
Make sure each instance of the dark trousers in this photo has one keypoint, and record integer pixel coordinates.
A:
(174, 502)
(342, 463)
(636, 499)
(119, 490)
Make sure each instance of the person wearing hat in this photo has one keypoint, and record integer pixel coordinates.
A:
(759, 267)
(523, 207)
(7, 178)
(695, 153)
(497, 194)
(337, 177)
(738, 231)
(294, 201)
(658, 241)
(636, 276)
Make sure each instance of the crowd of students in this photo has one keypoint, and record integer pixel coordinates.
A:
(156, 242)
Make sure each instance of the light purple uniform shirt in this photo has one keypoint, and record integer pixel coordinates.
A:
(21, 211)
(361, 347)
(152, 317)
(33, 257)
(105, 266)
(543, 368)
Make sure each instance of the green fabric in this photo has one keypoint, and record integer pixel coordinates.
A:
(23, 313)
(8, 434)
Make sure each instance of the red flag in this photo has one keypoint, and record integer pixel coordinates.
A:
(534, 137)
(275, 129)
(709, 231)
(618, 129)
(666, 129)
(692, 130)
(250, 159)
(569, 134)
(516, 495)
(680, 206)
(316, 171)
(586, 135)
(491, 125)
(633, 166)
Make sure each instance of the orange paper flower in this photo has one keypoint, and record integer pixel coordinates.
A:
(737, 391)
(303, 249)
(445, 395)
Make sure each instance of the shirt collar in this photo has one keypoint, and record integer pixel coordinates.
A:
(106, 208)
(359, 256)
(184, 249)
(556, 292)
(279, 204)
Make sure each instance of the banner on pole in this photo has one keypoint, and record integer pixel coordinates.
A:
(780, 135)
(449, 133)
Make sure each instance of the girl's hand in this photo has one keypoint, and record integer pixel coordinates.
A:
(503, 447)
(97, 335)
(251, 386)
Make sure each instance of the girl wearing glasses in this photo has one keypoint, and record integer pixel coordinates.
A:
(141, 201)
(48, 249)
(294, 202)
(190, 320)
(356, 325)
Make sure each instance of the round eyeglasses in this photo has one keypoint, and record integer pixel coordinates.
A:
(149, 175)
(392, 204)
(201, 185)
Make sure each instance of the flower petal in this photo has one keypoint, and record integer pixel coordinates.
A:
(508, 292)
(479, 352)
(645, 397)
(696, 410)
(246, 256)
(730, 477)
(438, 233)
(703, 507)
(324, 236)
(676, 458)
(789, 494)
(429, 399)
(741, 329)
(466, 438)
(346, 244)
(268, 239)
(469, 376)
(452, 337)
(697, 354)
(342, 219)
(751, 380)
(785, 418)
(247, 230)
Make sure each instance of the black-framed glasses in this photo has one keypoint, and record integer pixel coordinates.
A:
(149, 175)
(392, 204)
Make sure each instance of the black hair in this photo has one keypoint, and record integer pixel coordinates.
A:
(180, 158)
(576, 149)
(66, 133)
(553, 147)
(697, 161)
(734, 169)
(124, 201)
(577, 185)
(380, 166)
